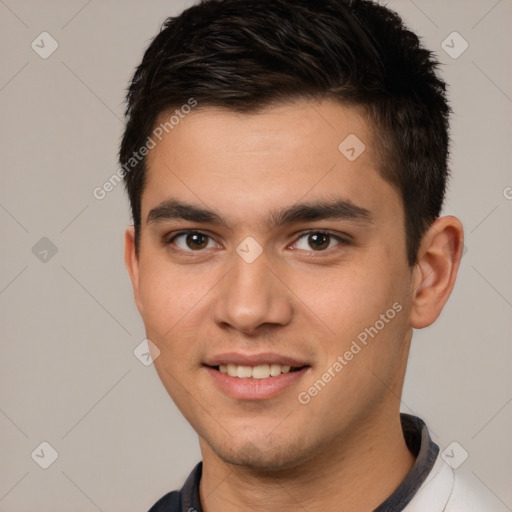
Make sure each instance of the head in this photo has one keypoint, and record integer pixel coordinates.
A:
(286, 164)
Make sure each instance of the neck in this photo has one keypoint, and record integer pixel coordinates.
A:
(356, 472)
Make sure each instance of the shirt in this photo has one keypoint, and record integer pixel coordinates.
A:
(429, 486)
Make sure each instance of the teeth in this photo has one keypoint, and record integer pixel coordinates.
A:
(262, 371)
(276, 369)
(243, 371)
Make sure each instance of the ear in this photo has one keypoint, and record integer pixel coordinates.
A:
(436, 269)
(131, 260)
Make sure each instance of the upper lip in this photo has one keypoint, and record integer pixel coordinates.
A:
(253, 359)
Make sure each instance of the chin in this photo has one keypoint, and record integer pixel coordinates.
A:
(260, 455)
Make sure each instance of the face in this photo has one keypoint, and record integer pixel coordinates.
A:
(269, 253)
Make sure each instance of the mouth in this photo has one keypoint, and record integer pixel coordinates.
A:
(255, 377)
(261, 371)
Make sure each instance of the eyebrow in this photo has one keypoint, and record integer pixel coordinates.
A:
(341, 209)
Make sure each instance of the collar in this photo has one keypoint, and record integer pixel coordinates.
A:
(419, 442)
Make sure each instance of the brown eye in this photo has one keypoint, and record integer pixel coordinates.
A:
(196, 241)
(191, 241)
(319, 241)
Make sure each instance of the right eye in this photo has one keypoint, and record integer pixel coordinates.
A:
(192, 241)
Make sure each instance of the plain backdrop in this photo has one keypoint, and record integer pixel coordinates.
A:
(69, 327)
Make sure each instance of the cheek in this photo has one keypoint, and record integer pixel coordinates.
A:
(158, 300)
(349, 298)
(176, 306)
(167, 293)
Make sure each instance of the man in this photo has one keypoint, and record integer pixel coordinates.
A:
(286, 164)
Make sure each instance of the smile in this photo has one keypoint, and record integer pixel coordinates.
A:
(261, 371)
(259, 382)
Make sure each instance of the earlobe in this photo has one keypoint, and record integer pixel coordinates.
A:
(131, 260)
(436, 270)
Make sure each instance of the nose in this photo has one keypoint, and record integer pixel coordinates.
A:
(251, 296)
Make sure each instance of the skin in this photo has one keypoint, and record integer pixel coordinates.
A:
(344, 450)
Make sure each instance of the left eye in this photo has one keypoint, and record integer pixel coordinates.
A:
(317, 241)
(192, 241)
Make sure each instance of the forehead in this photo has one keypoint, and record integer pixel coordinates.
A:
(304, 127)
(251, 162)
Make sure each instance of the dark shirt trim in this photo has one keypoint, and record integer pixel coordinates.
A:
(420, 444)
(416, 437)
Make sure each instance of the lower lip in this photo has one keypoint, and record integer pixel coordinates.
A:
(255, 389)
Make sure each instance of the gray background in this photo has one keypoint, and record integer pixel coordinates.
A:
(68, 375)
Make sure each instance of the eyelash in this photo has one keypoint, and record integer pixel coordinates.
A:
(342, 240)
